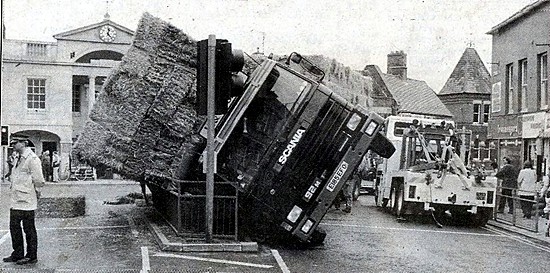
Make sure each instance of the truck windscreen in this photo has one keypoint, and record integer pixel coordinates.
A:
(288, 89)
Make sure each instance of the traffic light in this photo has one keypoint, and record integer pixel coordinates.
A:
(5, 135)
(228, 62)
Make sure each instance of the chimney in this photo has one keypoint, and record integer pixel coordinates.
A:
(397, 64)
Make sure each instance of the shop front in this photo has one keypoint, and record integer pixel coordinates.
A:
(506, 132)
(532, 133)
(545, 142)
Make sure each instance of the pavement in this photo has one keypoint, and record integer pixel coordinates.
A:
(522, 230)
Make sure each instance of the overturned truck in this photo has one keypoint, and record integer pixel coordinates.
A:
(287, 143)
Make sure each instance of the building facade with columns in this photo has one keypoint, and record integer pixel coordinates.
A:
(49, 88)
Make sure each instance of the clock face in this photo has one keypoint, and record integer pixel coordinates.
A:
(107, 33)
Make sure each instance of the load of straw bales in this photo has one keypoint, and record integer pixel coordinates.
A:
(144, 119)
(144, 122)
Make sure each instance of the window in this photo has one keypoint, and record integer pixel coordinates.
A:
(543, 80)
(481, 112)
(34, 49)
(522, 85)
(36, 93)
(508, 105)
(477, 107)
(486, 109)
(76, 99)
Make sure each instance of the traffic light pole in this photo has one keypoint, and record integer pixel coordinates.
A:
(210, 156)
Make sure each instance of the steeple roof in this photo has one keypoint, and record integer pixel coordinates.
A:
(469, 76)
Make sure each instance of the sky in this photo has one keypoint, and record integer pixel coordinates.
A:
(433, 33)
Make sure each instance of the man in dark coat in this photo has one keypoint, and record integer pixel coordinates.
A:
(509, 176)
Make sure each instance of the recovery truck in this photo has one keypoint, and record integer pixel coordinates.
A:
(426, 175)
(290, 143)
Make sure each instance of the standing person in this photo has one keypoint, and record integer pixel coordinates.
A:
(12, 159)
(545, 193)
(527, 180)
(26, 181)
(508, 174)
(56, 160)
(46, 165)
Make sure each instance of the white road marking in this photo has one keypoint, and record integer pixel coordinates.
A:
(78, 228)
(280, 261)
(412, 229)
(4, 238)
(212, 260)
(518, 239)
(145, 264)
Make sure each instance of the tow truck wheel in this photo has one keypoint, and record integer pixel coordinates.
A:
(355, 194)
(389, 203)
(482, 216)
(399, 202)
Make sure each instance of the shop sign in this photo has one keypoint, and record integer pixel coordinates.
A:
(533, 124)
(495, 97)
(504, 127)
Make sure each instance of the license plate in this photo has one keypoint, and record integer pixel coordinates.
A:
(481, 195)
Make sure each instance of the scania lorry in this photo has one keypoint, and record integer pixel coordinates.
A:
(290, 143)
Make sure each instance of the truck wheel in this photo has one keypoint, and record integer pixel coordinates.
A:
(389, 203)
(317, 237)
(355, 194)
(481, 218)
(399, 202)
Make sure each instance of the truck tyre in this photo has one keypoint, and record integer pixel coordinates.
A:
(355, 194)
(482, 216)
(399, 202)
(389, 203)
(317, 237)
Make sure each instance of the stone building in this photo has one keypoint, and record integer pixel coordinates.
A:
(467, 94)
(520, 123)
(48, 88)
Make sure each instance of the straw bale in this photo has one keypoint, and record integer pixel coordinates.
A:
(144, 119)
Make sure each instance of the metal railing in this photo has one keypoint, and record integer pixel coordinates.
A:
(185, 209)
(518, 208)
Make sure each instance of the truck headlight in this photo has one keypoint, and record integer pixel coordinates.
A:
(294, 214)
(371, 128)
(353, 121)
(307, 226)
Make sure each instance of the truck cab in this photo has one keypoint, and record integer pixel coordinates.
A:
(290, 143)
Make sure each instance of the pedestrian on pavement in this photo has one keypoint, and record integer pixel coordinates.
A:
(508, 174)
(56, 160)
(11, 162)
(527, 180)
(46, 165)
(27, 179)
(545, 192)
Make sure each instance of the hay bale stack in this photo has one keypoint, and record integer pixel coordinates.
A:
(144, 119)
(348, 83)
(341, 79)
